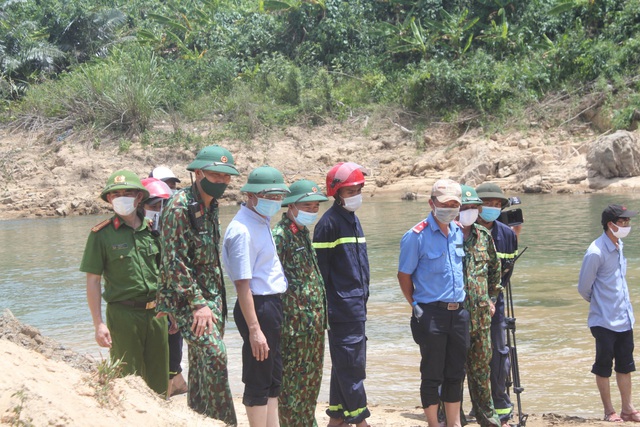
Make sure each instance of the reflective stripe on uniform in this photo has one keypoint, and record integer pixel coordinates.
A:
(341, 241)
(505, 411)
(347, 414)
(502, 255)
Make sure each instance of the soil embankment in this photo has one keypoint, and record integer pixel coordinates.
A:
(64, 175)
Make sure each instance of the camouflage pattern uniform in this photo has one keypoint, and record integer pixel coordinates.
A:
(482, 281)
(192, 277)
(304, 307)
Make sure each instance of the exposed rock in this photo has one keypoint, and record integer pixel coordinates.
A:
(615, 155)
(536, 184)
(13, 330)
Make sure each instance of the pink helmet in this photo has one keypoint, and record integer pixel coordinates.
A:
(156, 188)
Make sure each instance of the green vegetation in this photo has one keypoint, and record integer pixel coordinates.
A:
(102, 381)
(16, 418)
(115, 66)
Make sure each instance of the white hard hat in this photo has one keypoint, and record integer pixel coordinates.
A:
(163, 173)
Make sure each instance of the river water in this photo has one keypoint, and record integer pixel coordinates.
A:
(40, 283)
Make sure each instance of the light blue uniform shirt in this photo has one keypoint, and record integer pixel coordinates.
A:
(249, 252)
(434, 262)
(602, 282)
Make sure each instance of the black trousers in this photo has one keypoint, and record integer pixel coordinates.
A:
(443, 337)
(261, 380)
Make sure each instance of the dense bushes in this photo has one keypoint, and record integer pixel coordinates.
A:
(118, 64)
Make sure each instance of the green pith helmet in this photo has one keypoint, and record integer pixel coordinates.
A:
(265, 179)
(469, 196)
(214, 158)
(304, 190)
(123, 180)
(489, 190)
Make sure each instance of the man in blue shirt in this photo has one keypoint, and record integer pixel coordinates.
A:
(430, 275)
(602, 283)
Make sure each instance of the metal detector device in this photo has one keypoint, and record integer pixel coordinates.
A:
(514, 375)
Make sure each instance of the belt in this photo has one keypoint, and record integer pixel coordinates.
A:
(149, 305)
(451, 306)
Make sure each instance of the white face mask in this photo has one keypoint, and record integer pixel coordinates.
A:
(352, 203)
(622, 232)
(446, 215)
(124, 206)
(468, 217)
(150, 214)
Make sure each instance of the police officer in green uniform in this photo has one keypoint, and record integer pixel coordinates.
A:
(482, 284)
(303, 306)
(192, 285)
(123, 251)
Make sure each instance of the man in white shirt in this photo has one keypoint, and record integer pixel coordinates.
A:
(251, 261)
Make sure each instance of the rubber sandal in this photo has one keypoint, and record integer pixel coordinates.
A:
(633, 416)
(613, 417)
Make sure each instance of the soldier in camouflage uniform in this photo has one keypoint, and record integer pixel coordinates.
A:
(482, 286)
(303, 306)
(192, 285)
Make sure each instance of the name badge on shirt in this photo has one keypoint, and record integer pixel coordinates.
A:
(119, 246)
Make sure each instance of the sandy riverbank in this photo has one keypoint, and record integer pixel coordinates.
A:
(45, 384)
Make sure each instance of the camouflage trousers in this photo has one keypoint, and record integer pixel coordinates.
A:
(302, 359)
(208, 379)
(478, 378)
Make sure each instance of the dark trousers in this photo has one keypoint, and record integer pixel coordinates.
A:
(500, 363)
(610, 346)
(348, 348)
(443, 337)
(261, 380)
(175, 354)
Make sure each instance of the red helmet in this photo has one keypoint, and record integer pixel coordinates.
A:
(344, 174)
(156, 188)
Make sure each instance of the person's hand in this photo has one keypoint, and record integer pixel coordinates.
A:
(517, 229)
(103, 336)
(202, 321)
(492, 307)
(173, 325)
(259, 346)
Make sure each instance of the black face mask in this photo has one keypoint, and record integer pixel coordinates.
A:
(213, 189)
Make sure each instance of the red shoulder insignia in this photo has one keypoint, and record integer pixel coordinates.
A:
(420, 226)
(293, 227)
(102, 225)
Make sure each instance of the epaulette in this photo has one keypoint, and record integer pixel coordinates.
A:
(102, 225)
(420, 226)
(293, 227)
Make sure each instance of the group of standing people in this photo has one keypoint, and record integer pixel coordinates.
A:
(161, 256)
(453, 267)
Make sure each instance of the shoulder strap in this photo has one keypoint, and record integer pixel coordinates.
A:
(102, 225)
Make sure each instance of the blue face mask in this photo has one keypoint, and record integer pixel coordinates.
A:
(490, 214)
(266, 207)
(305, 218)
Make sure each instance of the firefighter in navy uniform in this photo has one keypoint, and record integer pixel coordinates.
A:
(342, 256)
(506, 242)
